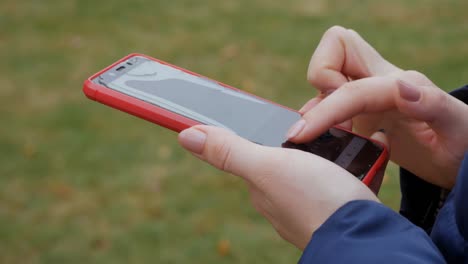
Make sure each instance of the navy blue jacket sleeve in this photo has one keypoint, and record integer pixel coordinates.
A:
(369, 232)
(461, 200)
(450, 231)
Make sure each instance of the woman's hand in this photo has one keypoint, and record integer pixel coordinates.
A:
(296, 191)
(426, 127)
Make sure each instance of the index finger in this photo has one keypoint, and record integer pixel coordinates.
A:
(366, 95)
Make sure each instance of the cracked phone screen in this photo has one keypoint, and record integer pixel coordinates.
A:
(205, 101)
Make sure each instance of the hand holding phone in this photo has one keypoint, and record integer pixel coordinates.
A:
(177, 99)
(292, 189)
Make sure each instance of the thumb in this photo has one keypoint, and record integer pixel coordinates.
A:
(439, 110)
(229, 152)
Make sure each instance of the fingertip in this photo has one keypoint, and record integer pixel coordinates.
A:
(296, 129)
(192, 139)
(310, 126)
(381, 137)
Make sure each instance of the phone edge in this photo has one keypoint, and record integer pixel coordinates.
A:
(177, 123)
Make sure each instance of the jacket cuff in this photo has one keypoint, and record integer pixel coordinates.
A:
(369, 232)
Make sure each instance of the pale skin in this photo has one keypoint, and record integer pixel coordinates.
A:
(298, 191)
(425, 126)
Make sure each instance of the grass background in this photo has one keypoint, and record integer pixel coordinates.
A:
(82, 183)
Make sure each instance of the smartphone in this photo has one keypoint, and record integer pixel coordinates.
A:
(176, 98)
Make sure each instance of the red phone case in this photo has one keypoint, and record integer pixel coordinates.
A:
(177, 123)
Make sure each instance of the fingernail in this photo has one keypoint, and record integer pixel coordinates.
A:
(193, 140)
(296, 129)
(408, 91)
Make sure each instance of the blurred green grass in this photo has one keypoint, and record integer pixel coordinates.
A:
(80, 182)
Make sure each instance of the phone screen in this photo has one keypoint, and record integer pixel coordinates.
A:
(209, 102)
(354, 153)
(203, 100)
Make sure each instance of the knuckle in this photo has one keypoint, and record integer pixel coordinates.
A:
(442, 100)
(354, 92)
(319, 79)
(352, 31)
(335, 30)
(414, 76)
(353, 34)
(349, 87)
(222, 154)
(270, 167)
(313, 77)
